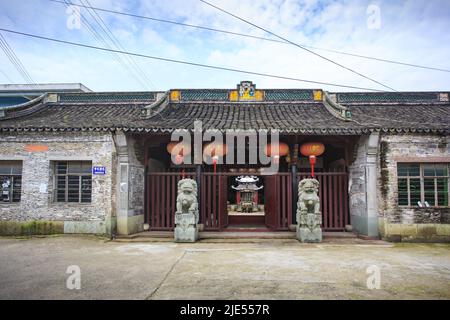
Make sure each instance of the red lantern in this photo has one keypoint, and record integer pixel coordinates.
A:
(312, 150)
(178, 150)
(276, 150)
(214, 150)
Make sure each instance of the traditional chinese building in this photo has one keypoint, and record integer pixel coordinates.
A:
(76, 161)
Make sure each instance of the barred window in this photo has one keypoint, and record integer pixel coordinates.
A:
(423, 184)
(10, 181)
(73, 181)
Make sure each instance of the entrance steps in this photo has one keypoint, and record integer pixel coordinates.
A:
(232, 235)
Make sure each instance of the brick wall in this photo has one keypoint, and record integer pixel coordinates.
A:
(409, 148)
(37, 181)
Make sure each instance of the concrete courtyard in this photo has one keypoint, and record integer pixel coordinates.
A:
(35, 268)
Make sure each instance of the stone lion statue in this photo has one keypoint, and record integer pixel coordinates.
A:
(309, 217)
(187, 196)
(186, 214)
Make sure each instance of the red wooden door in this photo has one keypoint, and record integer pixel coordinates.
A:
(213, 204)
(222, 203)
(271, 197)
(333, 194)
(162, 198)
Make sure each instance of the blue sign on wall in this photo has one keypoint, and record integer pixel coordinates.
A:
(98, 170)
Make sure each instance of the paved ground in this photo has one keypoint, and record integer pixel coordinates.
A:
(270, 269)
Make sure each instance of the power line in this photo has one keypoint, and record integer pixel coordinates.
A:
(6, 76)
(298, 45)
(14, 59)
(187, 62)
(98, 37)
(123, 60)
(381, 59)
(118, 45)
(101, 39)
(257, 37)
(17, 60)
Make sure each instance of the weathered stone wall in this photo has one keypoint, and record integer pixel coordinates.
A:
(362, 187)
(37, 201)
(137, 173)
(409, 148)
(130, 186)
(357, 180)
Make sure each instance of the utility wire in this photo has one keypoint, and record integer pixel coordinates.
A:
(14, 59)
(6, 76)
(119, 45)
(256, 37)
(121, 59)
(104, 28)
(187, 62)
(101, 39)
(298, 45)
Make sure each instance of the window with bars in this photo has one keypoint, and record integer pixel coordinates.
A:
(10, 181)
(423, 184)
(73, 181)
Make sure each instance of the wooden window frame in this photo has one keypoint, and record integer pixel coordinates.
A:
(80, 176)
(12, 176)
(422, 178)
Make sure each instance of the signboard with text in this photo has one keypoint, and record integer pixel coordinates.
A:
(98, 170)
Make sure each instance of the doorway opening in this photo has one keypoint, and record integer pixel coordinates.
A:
(245, 205)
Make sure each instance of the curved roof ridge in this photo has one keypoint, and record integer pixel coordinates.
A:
(23, 109)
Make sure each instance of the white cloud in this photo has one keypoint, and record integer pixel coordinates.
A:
(411, 31)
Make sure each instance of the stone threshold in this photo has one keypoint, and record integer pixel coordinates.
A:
(232, 236)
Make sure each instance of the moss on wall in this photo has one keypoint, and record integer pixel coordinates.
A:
(16, 228)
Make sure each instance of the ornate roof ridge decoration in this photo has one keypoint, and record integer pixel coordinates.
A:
(291, 94)
(26, 108)
(245, 92)
(336, 109)
(161, 102)
(109, 97)
(392, 97)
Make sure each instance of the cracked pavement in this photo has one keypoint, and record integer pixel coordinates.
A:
(35, 268)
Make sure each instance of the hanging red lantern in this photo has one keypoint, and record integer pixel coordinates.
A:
(312, 150)
(214, 150)
(276, 150)
(178, 150)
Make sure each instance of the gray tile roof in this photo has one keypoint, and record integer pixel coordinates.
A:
(288, 117)
(283, 116)
(406, 116)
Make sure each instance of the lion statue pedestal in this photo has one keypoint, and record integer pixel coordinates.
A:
(309, 217)
(186, 215)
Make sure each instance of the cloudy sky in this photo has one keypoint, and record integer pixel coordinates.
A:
(411, 31)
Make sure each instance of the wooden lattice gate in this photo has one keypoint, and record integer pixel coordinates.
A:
(161, 193)
(333, 193)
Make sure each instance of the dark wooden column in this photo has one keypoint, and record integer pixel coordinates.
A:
(198, 177)
(146, 155)
(294, 160)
